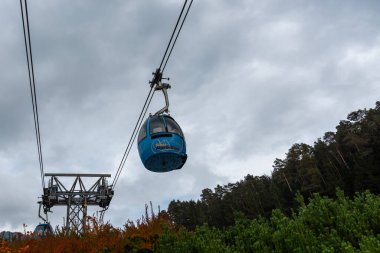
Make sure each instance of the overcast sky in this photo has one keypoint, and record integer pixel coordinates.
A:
(249, 79)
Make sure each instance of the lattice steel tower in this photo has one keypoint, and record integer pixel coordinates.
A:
(77, 197)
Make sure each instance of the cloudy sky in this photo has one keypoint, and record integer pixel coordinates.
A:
(249, 79)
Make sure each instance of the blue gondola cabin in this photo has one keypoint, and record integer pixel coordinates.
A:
(161, 144)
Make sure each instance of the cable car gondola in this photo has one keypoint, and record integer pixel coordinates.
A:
(161, 142)
(43, 230)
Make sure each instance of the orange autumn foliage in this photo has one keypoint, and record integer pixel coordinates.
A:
(139, 236)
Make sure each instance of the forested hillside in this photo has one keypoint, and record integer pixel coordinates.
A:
(323, 225)
(348, 158)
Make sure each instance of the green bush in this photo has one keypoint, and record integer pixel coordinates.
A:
(323, 225)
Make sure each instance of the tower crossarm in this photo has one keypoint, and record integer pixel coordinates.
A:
(74, 191)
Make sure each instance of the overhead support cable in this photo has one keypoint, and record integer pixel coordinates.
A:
(174, 31)
(157, 77)
(180, 28)
(134, 134)
(32, 84)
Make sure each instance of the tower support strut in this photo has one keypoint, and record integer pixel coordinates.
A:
(77, 196)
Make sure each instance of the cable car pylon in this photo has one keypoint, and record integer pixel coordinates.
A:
(76, 197)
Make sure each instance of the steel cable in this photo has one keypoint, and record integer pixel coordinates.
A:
(32, 84)
(174, 31)
(148, 100)
(134, 134)
(180, 28)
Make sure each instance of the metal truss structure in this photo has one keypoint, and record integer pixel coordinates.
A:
(76, 197)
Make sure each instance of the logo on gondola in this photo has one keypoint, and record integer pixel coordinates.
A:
(160, 145)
